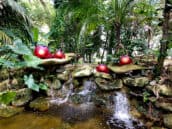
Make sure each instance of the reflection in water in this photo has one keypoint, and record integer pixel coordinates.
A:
(30, 120)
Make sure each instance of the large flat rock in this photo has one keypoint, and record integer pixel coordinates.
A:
(125, 68)
(53, 61)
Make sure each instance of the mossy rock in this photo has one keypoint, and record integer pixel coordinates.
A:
(23, 96)
(83, 71)
(125, 68)
(40, 104)
(167, 106)
(56, 84)
(102, 75)
(107, 85)
(8, 111)
(167, 119)
(54, 61)
(136, 82)
(4, 85)
(163, 89)
(63, 76)
(10, 84)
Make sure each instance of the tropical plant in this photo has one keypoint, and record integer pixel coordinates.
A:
(30, 82)
(74, 22)
(7, 97)
(13, 17)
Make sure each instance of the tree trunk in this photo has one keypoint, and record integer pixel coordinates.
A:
(112, 38)
(119, 45)
(118, 34)
(165, 38)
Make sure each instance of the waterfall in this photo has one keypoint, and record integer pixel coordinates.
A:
(122, 109)
(65, 93)
(121, 117)
(88, 87)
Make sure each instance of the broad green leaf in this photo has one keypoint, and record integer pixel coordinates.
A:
(29, 81)
(35, 34)
(7, 97)
(6, 63)
(43, 86)
(20, 48)
(32, 61)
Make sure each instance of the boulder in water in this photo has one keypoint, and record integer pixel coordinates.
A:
(40, 104)
(8, 111)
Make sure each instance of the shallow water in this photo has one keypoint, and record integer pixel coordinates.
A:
(63, 117)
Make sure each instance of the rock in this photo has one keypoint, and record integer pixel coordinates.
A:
(63, 76)
(125, 68)
(77, 99)
(54, 61)
(83, 71)
(102, 75)
(8, 111)
(109, 85)
(161, 89)
(167, 119)
(9, 84)
(136, 82)
(4, 85)
(56, 84)
(40, 104)
(76, 83)
(23, 96)
(167, 106)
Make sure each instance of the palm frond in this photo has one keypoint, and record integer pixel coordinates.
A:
(5, 38)
(12, 15)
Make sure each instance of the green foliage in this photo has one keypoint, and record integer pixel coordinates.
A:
(73, 24)
(14, 18)
(13, 52)
(30, 82)
(5, 38)
(7, 97)
(20, 48)
(35, 34)
(32, 61)
(146, 96)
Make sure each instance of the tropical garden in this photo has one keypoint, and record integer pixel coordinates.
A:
(91, 64)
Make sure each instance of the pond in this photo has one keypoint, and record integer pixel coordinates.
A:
(77, 116)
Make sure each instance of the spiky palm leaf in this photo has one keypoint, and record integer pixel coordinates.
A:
(13, 17)
(5, 38)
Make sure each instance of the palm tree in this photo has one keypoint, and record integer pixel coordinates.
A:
(118, 14)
